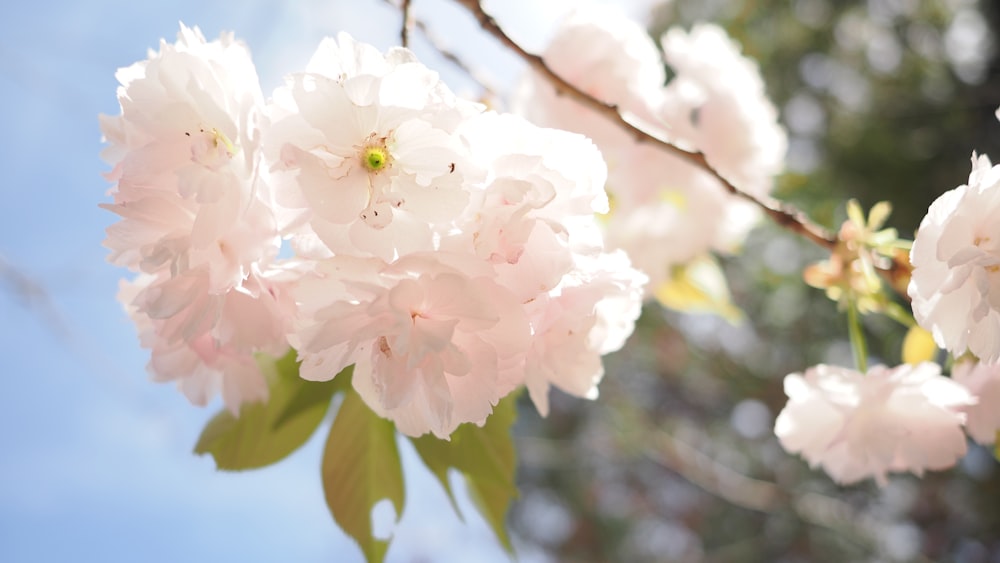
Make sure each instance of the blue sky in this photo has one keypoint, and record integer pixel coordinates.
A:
(95, 460)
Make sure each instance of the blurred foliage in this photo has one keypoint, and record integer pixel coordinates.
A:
(884, 100)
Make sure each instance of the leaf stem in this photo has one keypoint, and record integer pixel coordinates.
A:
(897, 313)
(857, 336)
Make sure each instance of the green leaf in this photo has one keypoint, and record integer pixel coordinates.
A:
(306, 397)
(267, 432)
(698, 287)
(361, 466)
(486, 457)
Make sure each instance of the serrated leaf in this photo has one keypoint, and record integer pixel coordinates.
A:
(361, 466)
(265, 433)
(486, 458)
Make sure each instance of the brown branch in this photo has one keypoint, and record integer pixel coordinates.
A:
(404, 31)
(488, 90)
(439, 46)
(783, 214)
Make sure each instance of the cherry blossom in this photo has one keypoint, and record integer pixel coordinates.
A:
(428, 339)
(186, 164)
(667, 212)
(717, 104)
(450, 254)
(367, 149)
(955, 285)
(855, 426)
(983, 382)
(205, 342)
(196, 218)
(519, 292)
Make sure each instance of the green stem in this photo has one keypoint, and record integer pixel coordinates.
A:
(857, 337)
(897, 313)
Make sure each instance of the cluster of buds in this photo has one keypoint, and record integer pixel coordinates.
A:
(851, 275)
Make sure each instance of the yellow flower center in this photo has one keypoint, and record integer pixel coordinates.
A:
(211, 148)
(375, 158)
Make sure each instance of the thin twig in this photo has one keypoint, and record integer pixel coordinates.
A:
(404, 31)
(785, 215)
(435, 42)
(33, 295)
(724, 482)
(488, 90)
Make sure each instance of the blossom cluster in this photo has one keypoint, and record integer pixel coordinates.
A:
(449, 253)
(196, 218)
(667, 211)
(911, 418)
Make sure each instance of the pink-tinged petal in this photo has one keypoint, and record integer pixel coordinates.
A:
(954, 287)
(983, 383)
(335, 194)
(856, 426)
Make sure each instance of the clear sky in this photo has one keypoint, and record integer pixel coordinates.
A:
(95, 460)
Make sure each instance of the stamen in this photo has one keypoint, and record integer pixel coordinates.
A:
(375, 158)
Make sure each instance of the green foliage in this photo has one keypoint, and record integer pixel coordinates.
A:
(486, 458)
(265, 433)
(361, 466)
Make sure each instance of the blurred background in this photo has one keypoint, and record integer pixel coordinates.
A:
(676, 461)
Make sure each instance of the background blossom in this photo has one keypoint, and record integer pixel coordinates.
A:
(855, 426)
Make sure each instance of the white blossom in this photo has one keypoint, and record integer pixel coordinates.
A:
(983, 382)
(189, 187)
(518, 291)
(717, 104)
(205, 342)
(451, 255)
(197, 221)
(855, 426)
(667, 211)
(428, 340)
(955, 287)
(367, 151)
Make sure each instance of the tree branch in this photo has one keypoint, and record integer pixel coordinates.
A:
(404, 31)
(435, 42)
(783, 214)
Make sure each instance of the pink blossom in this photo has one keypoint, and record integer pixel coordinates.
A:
(667, 211)
(366, 151)
(855, 426)
(983, 382)
(609, 56)
(591, 313)
(449, 254)
(428, 340)
(186, 163)
(206, 343)
(955, 285)
(717, 103)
